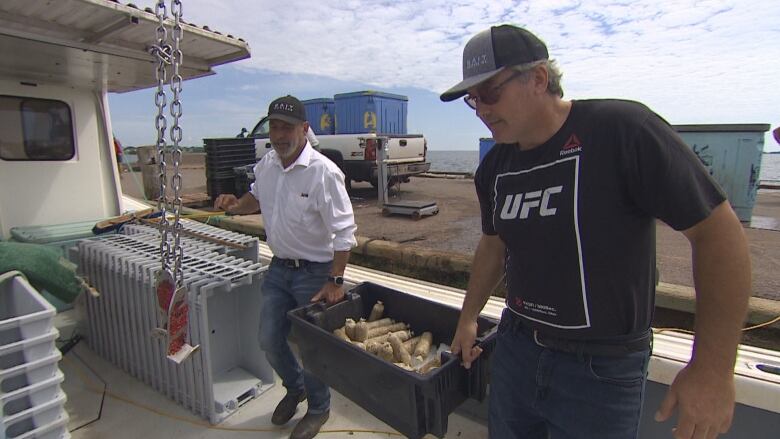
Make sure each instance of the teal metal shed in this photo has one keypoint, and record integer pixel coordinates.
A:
(732, 154)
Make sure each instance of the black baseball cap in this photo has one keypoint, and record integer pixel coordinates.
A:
(287, 109)
(491, 50)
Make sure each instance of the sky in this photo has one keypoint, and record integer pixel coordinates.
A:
(693, 62)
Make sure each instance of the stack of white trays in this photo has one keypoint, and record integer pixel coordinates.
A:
(228, 370)
(31, 399)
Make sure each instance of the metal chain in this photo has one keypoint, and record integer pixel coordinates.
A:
(176, 136)
(162, 52)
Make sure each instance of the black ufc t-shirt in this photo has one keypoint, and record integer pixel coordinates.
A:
(577, 215)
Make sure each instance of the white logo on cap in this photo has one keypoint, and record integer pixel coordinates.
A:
(476, 61)
(283, 106)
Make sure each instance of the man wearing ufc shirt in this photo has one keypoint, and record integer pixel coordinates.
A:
(569, 197)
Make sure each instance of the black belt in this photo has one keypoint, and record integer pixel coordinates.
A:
(292, 263)
(615, 348)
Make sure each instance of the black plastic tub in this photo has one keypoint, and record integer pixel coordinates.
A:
(413, 404)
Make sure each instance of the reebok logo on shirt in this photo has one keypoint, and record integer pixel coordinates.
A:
(304, 195)
(571, 146)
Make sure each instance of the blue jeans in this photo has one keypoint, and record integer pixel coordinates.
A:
(537, 392)
(285, 289)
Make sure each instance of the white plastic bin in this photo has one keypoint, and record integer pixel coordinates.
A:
(24, 313)
(55, 430)
(25, 351)
(26, 374)
(34, 418)
(31, 396)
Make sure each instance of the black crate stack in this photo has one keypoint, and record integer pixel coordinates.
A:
(222, 157)
(244, 177)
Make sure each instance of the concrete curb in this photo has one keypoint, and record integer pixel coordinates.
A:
(453, 269)
(682, 298)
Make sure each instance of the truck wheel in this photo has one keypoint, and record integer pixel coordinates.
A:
(335, 157)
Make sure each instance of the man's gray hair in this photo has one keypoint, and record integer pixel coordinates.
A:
(553, 74)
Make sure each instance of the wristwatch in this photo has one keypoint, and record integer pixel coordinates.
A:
(338, 280)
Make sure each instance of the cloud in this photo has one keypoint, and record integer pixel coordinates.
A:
(691, 60)
(418, 43)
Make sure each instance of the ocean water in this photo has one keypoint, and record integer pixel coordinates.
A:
(467, 161)
(770, 167)
(453, 161)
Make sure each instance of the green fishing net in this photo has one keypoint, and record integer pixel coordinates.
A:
(44, 267)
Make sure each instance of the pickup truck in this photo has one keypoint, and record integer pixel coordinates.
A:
(356, 154)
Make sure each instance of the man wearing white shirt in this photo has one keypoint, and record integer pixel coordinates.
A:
(310, 228)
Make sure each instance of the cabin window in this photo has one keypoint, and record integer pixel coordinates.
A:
(35, 129)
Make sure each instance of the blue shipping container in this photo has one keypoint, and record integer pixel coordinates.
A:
(485, 144)
(370, 112)
(321, 113)
(732, 155)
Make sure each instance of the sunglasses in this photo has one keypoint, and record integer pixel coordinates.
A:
(489, 95)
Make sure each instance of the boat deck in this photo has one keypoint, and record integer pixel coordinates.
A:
(104, 401)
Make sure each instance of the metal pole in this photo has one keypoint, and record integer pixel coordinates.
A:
(381, 171)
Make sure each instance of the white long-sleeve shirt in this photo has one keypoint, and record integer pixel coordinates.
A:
(306, 210)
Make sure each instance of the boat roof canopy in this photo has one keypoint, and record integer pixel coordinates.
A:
(100, 44)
